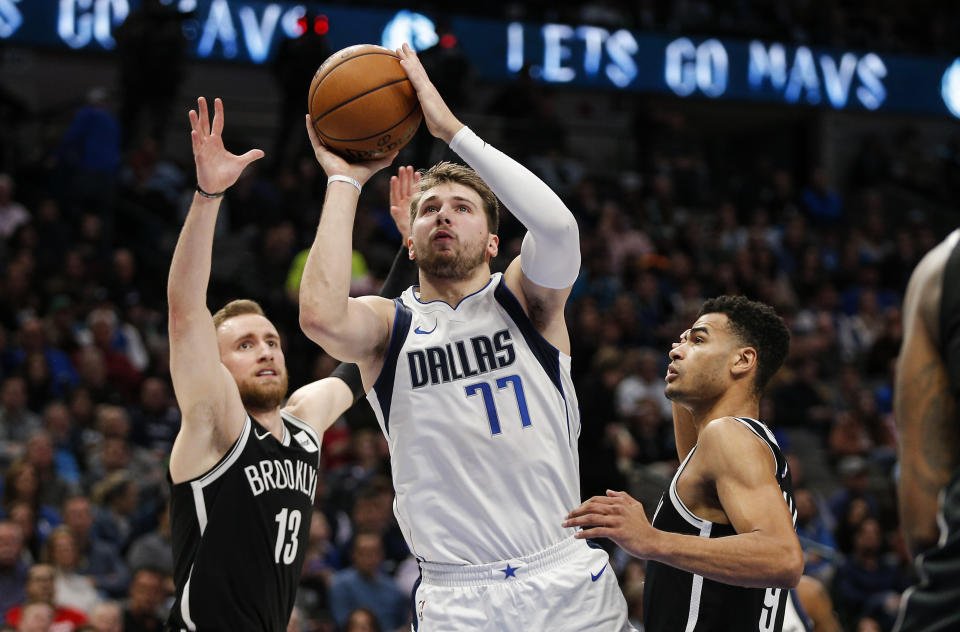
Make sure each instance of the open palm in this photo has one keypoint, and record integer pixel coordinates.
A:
(217, 168)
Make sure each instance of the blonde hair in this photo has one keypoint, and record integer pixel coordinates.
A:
(444, 172)
(237, 307)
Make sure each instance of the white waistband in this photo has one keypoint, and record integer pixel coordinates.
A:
(481, 574)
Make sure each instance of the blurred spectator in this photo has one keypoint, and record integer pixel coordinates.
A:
(12, 213)
(151, 51)
(142, 612)
(66, 441)
(867, 578)
(155, 549)
(17, 422)
(156, 420)
(22, 486)
(854, 473)
(97, 559)
(40, 590)
(13, 566)
(816, 538)
(643, 382)
(33, 340)
(71, 588)
(39, 617)
(106, 616)
(115, 499)
(362, 620)
(53, 489)
(365, 585)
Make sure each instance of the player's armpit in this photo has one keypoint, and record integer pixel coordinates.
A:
(544, 306)
(320, 403)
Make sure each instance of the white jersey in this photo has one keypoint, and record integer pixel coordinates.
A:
(482, 422)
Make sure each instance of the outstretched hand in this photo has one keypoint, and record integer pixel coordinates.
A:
(334, 164)
(402, 187)
(617, 516)
(440, 120)
(217, 168)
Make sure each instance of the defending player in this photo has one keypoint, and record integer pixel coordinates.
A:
(243, 469)
(926, 390)
(722, 546)
(469, 374)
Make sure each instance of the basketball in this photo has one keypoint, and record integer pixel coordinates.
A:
(361, 103)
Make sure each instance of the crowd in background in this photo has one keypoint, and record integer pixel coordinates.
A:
(87, 414)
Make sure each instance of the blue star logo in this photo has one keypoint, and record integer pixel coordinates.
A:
(509, 571)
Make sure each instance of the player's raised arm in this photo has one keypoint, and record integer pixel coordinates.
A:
(549, 259)
(321, 403)
(202, 384)
(349, 329)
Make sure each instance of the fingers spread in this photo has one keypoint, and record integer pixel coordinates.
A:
(217, 116)
(204, 115)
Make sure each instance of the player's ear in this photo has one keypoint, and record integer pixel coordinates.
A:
(745, 361)
(493, 246)
(410, 251)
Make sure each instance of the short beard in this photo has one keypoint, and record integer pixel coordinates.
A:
(456, 268)
(260, 398)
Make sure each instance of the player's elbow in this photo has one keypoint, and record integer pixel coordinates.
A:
(791, 567)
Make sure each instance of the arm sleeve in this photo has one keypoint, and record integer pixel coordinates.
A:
(550, 255)
(403, 273)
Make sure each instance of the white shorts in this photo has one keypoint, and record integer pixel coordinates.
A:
(567, 587)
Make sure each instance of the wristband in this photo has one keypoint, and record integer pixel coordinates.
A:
(210, 196)
(350, 374)
(347, 179)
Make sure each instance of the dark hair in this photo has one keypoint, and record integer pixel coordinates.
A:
(756, 325)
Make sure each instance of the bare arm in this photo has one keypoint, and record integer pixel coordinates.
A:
(349, 329)
(549, 261)
(817, 603)
(924, 408)
(320, 403)
(206, 393)
(765, 553)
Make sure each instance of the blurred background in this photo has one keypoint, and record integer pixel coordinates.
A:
(802, 153)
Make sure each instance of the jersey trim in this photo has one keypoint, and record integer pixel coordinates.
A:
(384, 384)
(696, 588)
(218, 470)
(415, 291)
(692, 519)
(185, 602)
(546, 354)
(305, 427)
(767, 437)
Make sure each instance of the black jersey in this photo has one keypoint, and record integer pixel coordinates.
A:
(931, 605)
(240, 532)
(679, 601)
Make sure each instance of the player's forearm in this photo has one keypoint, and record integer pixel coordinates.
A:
(325, 287)
(551, 249)
(753, 560)
(189, 273)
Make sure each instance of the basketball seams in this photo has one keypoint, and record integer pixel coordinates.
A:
(358, 96)
(316, 87)
(351, 140)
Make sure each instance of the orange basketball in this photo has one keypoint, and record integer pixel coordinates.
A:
(361, 103)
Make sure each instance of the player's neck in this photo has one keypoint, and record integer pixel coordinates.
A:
(452, 291)
(733, 403)
(269, 419)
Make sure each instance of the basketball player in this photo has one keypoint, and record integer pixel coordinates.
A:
(469, 375)
(926, 390)
(722, 548)
(243, 469)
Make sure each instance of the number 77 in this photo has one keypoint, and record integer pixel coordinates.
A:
(484, 389)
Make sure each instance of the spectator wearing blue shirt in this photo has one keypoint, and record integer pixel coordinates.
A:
(364, 585)
(13, 567)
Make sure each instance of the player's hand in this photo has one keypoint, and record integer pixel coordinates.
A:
(217, 168)
(440, 120)
(616, 516)
(402, 187)
(334, 164)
